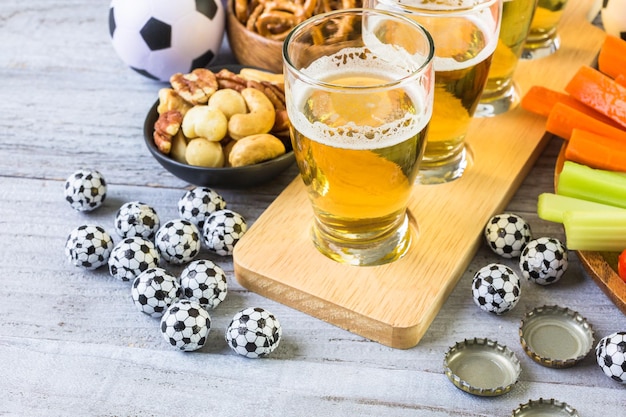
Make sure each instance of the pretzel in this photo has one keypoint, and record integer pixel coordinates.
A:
(274, 19)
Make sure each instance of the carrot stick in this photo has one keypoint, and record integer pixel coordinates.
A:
(540, 100)
(563, 119)
(596, 151)
(621, 80)
(599, 92)
(612, 56)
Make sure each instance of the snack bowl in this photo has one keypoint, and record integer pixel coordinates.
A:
(227, 177)
(251, 48)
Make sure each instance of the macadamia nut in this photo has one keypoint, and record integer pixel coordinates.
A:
(205, 153)
(229, 101)
(205, 122)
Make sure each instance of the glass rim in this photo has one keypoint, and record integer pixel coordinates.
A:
(428, 57)
(436, 9)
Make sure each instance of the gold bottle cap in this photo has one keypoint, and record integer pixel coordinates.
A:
(556, 337)
(546, 408)
(482, 367)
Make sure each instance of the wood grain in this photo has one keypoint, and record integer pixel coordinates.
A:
(394, 304)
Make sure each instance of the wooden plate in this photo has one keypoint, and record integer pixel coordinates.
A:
(601, 266)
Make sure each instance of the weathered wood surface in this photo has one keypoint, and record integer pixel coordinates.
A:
(72, 343)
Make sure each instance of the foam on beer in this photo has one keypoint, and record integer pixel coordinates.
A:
(388, 134)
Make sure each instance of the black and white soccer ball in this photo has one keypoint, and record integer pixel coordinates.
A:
(186, 325)
(611, 356)
(154, 290)
(137, 219)
(507, 234)
(254, 333)
(544, 260)
(85, 190)
(205, 282)
(197, 204)
(496, 288)
(178, 241)
(614, 18)
(132, 256)
(158, 38)
(222, 230)
(88, 246)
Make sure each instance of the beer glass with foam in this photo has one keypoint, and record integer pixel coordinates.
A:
(543, 39)
(465, 33)
(501, 94)
(359, 92)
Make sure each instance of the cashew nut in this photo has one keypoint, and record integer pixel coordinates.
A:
(205, 153)
(260, 119)
(205, 122)
(229, 101)
(254, 149)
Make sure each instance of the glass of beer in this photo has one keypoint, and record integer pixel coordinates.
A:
(501, 94)
(543, 38)
(465, 33)
(359, 93)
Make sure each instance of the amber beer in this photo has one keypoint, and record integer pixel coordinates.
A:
(465, 34)
(461, 70)
(358, 155)
(543, 38)
(500, 93)
(359, 100)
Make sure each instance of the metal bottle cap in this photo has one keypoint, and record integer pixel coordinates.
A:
(482, 367)
(556, 337)
(545, 408)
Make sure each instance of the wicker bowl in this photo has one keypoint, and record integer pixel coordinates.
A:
(250, 48)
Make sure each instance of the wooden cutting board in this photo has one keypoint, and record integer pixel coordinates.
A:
(394, 304)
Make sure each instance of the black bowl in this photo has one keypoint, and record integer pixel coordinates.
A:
(227, 177)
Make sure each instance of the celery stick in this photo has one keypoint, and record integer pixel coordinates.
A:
(602, 186)
(552, 206)
(595, 230)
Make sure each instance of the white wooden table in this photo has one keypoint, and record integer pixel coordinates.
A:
(72, 343)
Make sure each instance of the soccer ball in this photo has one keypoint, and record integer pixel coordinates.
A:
(496, 288)
(611, 356)
(158, 38)
(186, 325)
(222, 230)
(131, 257)
(199, 203)
(88, 246)
(507, 234)
(85, 190)
(544, 260)
(254, 333)
(614, 18)
(154, 290)
(205, 282)
(178, 241)
(136, 219)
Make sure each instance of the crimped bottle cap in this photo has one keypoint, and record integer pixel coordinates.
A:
(545, 408)
(482, 367)
(556, 337)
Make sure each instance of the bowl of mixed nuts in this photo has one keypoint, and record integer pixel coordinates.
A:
(223, 127)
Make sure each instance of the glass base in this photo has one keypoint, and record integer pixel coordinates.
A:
(535, 50)
(382, 250)
(502, 101)
(441, 172)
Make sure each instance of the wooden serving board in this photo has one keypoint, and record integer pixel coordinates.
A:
(394, 304)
